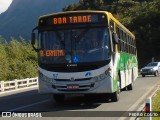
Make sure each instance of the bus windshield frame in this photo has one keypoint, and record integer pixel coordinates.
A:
(57, 52)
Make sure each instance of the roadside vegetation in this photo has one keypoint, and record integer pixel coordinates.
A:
(17, 59)
(156, 102)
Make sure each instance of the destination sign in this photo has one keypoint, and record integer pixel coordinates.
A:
(52, 53)
(67, 19)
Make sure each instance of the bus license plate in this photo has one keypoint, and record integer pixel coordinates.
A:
(72, 87)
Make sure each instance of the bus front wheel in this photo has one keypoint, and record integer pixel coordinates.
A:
(115, 96)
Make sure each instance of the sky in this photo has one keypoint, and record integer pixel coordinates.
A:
(4, 4)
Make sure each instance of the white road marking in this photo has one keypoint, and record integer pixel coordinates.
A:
(29, 105)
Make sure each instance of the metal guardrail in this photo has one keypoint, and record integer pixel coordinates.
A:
(17, 84)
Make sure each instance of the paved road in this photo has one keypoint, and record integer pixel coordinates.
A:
(32, 101)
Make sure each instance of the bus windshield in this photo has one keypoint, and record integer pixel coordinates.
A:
(73, 46)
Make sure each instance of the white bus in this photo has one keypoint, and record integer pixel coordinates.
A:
(84, 52)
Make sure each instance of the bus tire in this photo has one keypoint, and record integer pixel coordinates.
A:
(115, 96)
(130, 86)
(59, 98)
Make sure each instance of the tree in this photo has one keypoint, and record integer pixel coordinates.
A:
(3, 61)
(18, 60)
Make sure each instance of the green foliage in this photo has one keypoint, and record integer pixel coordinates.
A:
(17, 60)
(87, 5)
(3, 61)
(142, 17)
(156, 101)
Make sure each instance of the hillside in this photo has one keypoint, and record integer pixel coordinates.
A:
(22, 16)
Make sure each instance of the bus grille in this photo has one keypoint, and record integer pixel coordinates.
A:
(81, 79)
(81, 87)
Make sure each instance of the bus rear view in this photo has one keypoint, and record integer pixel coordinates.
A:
(75, 55)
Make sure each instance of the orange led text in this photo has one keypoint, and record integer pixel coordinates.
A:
(72, 19)
(49, 53)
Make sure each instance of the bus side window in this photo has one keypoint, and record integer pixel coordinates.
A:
(112, 30)
(119, 45)
(123, 39)
(127, 47)
(121, 42)
(121, 34)
(122, 46)
(118, 33)
(112, 25)
(129, 42)
(131, 46)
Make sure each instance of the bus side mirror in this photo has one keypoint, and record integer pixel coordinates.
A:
(115, 38)
(33, 39)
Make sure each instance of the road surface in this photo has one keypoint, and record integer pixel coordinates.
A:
(31, 101)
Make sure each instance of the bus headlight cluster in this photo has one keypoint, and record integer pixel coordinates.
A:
(103, 76)
(96, 79)
(45, 78)
(108, 71)
(100, 77)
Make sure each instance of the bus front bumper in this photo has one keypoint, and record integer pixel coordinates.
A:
(73, 87)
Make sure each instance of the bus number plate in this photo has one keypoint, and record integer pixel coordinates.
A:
(72, 87)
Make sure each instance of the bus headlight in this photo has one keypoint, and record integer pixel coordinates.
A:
(108, 71)
(102, 76)
(44, 78)
(96, 79)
